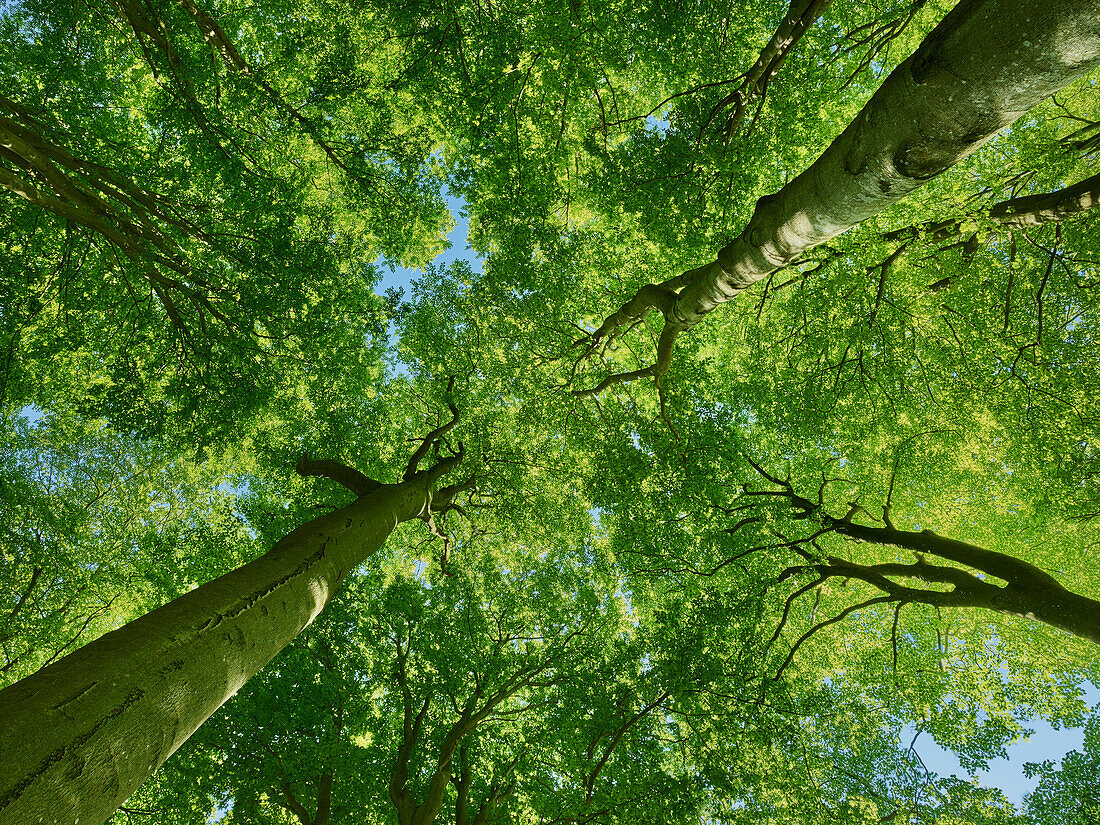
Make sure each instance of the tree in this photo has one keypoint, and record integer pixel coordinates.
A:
(947, 100)
(123, 704)
(753, 86)
(955, 329)
(482, 701)
(86, 517)
(180, 259)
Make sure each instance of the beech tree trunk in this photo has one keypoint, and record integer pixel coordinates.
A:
(982, 67)
(78, 737)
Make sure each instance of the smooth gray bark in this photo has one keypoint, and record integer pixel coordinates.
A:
(982, 67)
(77, 738)
(1035, 210)
(1024, 212)
(987, 63)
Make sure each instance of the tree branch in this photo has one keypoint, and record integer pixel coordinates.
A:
(342, 474)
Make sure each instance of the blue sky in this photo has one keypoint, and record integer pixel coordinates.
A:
(394, 275)
(1008, 773)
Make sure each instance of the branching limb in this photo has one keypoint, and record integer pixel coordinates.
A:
(876, 38)
(443, 498)
(435, 437)
(291, 803)
(591, 776)
(753, 89)
(822, 625)
(1028, 591)
(1024, 212)
(36, 573)
(445, 553)
(644, 301)
(346, 476)
(993, 563)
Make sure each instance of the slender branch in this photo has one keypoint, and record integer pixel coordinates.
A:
(26, 594)
(822, 625)
(800, 16)
(1029, 591)
(433, 438)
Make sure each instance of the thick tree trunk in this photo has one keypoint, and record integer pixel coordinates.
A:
(983, 66)
(77, 738)
(987, 63)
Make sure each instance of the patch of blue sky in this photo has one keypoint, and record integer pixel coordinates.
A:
(1007, 773)
(32, 414)
(597, 514)
(238, 489)
(221, 812)
(397, 277)
(657, 123)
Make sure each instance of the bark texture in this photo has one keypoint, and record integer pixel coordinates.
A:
(77, 738)
(1024, 212)
(985, 65)
(1035, 210)
(982, 67)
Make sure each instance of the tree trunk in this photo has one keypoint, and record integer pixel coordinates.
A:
(78, 737)
(984, 65)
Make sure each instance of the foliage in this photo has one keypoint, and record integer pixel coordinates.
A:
(606, 627)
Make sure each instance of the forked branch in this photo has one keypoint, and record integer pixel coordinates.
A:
(1028, 591)
(435, 438)
(753, 89)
